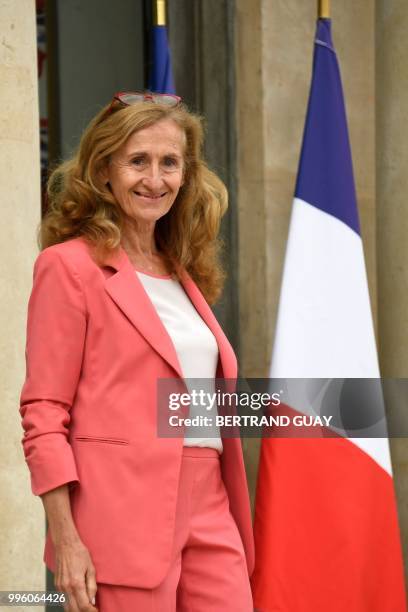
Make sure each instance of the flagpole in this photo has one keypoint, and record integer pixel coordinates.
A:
(159, 12)
(324, 9)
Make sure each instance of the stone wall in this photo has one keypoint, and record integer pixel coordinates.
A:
(392, 216)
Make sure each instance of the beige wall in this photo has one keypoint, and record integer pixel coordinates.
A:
(274, 46)
(392, 214)
(21, 515)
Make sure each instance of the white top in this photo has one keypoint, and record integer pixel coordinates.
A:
(195, 345)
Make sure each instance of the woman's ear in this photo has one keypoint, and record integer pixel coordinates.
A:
(103, 174)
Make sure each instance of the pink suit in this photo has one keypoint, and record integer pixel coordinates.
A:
(95, 349)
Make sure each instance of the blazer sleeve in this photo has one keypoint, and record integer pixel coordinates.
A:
(56, 328)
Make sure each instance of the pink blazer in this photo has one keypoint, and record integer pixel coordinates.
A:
(95, 349)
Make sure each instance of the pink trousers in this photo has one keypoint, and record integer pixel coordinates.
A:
(208, 572)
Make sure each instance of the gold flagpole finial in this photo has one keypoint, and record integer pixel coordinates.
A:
(324, 9)
(159, 12)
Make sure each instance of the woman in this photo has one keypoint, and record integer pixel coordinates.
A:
(119, 300)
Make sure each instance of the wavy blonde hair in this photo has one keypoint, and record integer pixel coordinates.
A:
(80, 204)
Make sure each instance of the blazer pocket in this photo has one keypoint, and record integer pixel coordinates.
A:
(101, 440)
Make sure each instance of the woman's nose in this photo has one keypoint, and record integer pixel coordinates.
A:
(153, 176)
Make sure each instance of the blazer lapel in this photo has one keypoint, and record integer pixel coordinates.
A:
(128, 293)
(228, 361)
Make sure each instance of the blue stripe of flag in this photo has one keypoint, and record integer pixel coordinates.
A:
(161, 76)
(325, 177)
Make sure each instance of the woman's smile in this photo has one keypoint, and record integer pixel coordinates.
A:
(149, 196)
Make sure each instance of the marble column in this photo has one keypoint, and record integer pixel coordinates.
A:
(21, 514)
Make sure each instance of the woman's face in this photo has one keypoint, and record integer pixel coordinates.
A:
(146, 173)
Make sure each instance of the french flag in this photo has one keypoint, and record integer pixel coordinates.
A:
(326, 528)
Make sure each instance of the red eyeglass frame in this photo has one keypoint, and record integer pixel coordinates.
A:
(144, 97)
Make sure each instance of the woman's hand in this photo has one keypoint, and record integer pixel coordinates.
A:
(74, 570)
(75, 576)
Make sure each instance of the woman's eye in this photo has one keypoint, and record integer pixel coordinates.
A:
(170, 162)
(138, 161)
